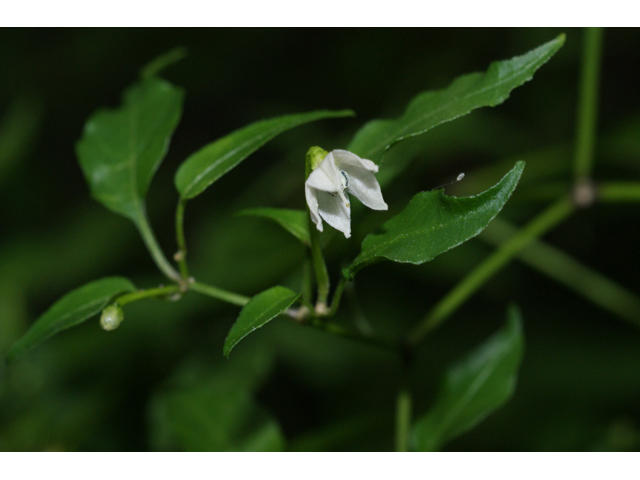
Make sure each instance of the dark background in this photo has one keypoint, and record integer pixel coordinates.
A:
(579, 387)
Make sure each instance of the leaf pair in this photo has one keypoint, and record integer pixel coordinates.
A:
(432, 222)
(121, 149)
(119, 153)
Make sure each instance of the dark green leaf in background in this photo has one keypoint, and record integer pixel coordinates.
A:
(19, 126)
(72, 309)
(433, 223)
(465, 94)
(214, 160)
(155, 66)
(208, 418)
(261, 309)
(293, 221)
(121, 149)
(213, 408)
(474, 388)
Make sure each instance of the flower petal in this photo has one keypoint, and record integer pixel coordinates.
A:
(312, 200)
(362, 182)
(369, 165)
(326, 176)
(334, 211)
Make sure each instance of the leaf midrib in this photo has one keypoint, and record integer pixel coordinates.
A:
(197, 179)
(424, 230)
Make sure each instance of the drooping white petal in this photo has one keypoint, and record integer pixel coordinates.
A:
(335, 212)
(312, 200)
(326, 176)
(369, 165)
(362, 182)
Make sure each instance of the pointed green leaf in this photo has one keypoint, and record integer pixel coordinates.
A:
(474, 388)
(433, 223)
(72, 309)
(465, 94)
(261, 309)
(295, 222)
(155, 66)
(121, 149)
(214, 160)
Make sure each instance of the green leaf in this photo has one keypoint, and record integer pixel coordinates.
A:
(295, 222)
(465, 94)
(120, 150)
(260, 310)
(215, 410)
(208, 419)
(72, 309)
(433, 223)
(474, 388)
(155, 66)
(211, 162)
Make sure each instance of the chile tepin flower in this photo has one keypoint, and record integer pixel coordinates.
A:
(334, 175)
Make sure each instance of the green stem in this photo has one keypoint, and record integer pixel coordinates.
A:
(403, 420)
(149, 293)
(319, 266)
(152, 245)
(566, 270)
(619, 192)
(588, 102)
(544, 222)
(181, 255)
(337, 295)
(307, 281)
(224, 295)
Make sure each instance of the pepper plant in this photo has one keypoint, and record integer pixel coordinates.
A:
(121, 148)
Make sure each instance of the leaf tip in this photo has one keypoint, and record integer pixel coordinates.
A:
(227, 347)
(155, 66)
(514, 316)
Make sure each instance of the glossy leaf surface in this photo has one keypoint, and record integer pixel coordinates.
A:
(261, 309)
(72, 309)
(293, 221)
(474, 388)
(121, 149)
(433, 223)
(465, 94)
(214, 160)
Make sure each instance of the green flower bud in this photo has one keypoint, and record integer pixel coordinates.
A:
(315, 155)
(111, 318)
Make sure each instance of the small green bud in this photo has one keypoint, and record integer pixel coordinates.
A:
(111, 318)
(315, 155)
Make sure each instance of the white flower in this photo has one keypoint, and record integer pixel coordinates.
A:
(325, 189)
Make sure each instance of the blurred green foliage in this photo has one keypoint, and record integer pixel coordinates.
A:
(578, 387)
